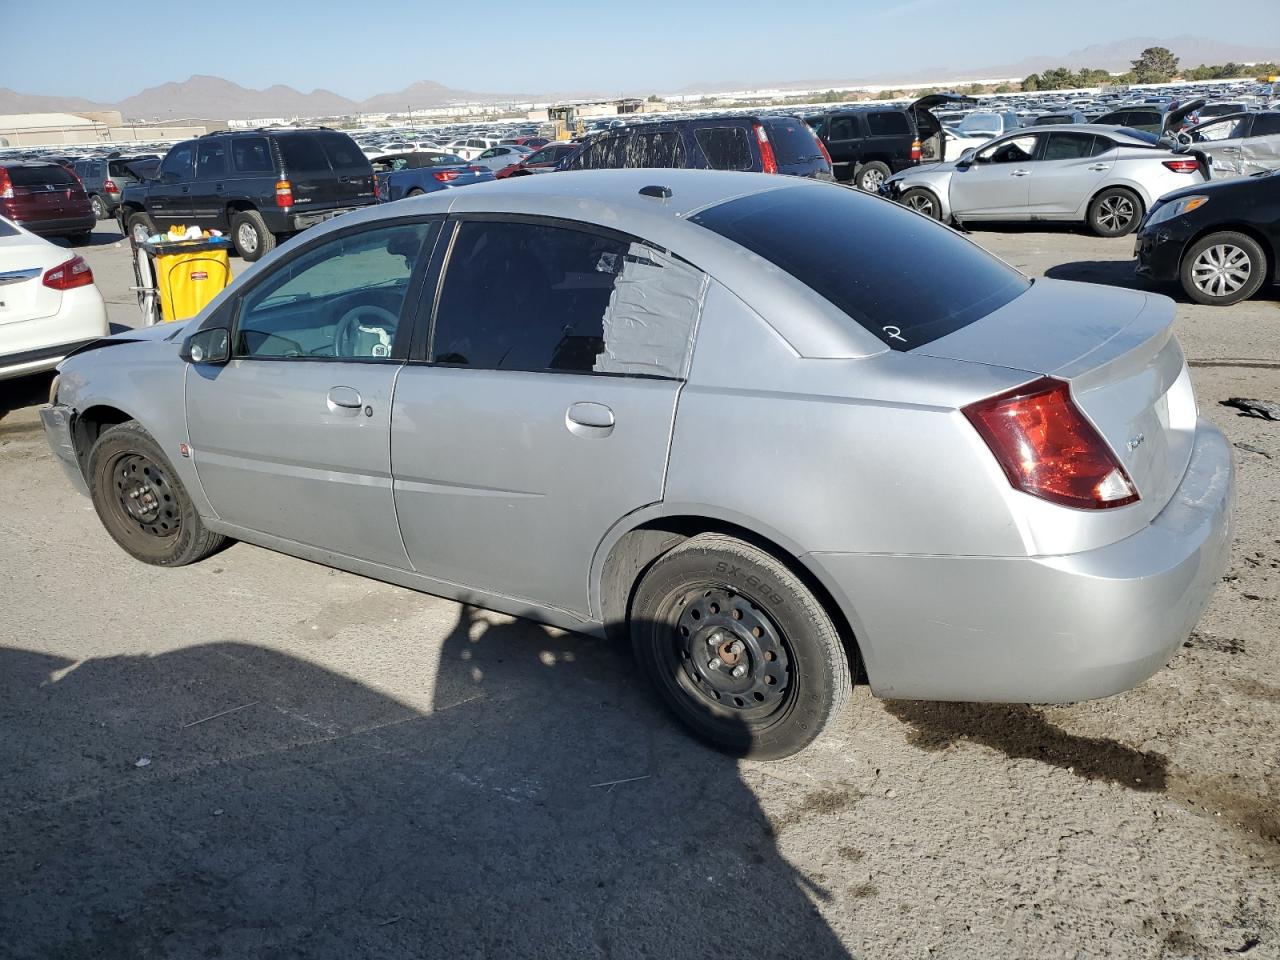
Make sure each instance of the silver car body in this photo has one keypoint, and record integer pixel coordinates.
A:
(792, 425)
(1048, 189)
(1239, 144)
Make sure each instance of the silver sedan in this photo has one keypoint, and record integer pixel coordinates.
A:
(729, 417)
(1103, 176)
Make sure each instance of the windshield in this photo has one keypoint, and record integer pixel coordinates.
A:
(988, 123)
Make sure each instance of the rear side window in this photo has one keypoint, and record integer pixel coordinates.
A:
(342, 152)
(793, 141)
(1266, 124)
(538, 297)
(662, 149)
(843, 128)
(6, 230)
(888, 124)
(303, 153)
(252, 155)
(726, 148)
(1069, 146)
(864, 256)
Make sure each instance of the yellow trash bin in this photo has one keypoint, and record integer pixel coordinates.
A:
(189, 274)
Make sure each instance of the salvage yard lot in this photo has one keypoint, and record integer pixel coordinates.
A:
(340, 768)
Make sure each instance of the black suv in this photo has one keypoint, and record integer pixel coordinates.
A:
(759, 144)
(104, 180)
(258, 185)
(867, 144)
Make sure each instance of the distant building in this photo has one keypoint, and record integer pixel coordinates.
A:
(592, 109)
(92, 129)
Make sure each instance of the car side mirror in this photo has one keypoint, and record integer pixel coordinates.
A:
(966, 159)
(212, 346)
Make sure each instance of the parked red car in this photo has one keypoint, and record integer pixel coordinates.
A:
(540, 161)
(47, 199)
(533, 143)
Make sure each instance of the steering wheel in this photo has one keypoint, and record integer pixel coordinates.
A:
(365, 318)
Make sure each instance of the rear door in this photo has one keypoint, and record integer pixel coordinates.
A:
(997, 184)
(544, 412)
(1068, 170)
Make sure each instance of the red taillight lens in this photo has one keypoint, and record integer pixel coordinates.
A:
(1183, 166)
(826, 154)
(67, 276)
(110, 186)
(284, 193)
(1048, 449)
(916, 153)
(6, 185)
(766, 150)
(377, 189)
(444, 176)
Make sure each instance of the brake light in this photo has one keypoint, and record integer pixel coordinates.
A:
(826, 154)
(110, 186)
(444, 176)
(766, 150)
(67, 276)
(377, 189)
(6, 185)
(284, 193)
(1048, 449)
(1183, 166)
(916, 152)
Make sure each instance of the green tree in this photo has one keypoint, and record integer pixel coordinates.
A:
(1059, 78)
(1156, 65)
(1032, 83)
(885, 95)
(1003, 88)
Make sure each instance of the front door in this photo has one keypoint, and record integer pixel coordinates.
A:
(545, 413)
(169, 199)
(996, 184)
(290, 438)
(208, 188)
(1069, 170)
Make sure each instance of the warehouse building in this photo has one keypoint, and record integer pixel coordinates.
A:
(93, 128)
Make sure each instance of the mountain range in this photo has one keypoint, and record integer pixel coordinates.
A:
(217, 98)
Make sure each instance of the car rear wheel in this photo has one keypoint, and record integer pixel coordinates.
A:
(922, 201)
(141, 501)
(416, 192)
(738, 648)
(99, 206)
(250, 235)
(140, 227)
(871, 175)
(1223, 268)
(1115, 212)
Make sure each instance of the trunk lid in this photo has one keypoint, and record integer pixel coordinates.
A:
(1117, 351)
(23, 262)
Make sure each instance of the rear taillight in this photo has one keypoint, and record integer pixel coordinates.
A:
(67, 276)
(1048, 449)
(766, 150)
(1183, 166)
(110, 186)
(6, 185)
(444, 176)
(826, 154)
(916, 153)
(377, 189)
(284, 193)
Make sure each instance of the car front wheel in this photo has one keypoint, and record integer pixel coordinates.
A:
(1115, 212)
(739, 648)
(922, 201)
(1223, 268)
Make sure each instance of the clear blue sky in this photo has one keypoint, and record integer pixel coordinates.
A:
(361, 48)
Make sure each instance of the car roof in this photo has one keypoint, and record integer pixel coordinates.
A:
(1105, 129)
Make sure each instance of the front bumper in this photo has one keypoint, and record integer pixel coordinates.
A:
(1159, 253)
(1043, 629)
(57, 430)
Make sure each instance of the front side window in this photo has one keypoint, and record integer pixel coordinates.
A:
(537, 297)
(211, 159)
(177, 162)
(1017, 150)
(340, 300)
(726, 148)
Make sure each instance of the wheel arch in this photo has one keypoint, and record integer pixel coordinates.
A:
(89, 424)
(1133, 187)
(641, 538)
(1268, 250)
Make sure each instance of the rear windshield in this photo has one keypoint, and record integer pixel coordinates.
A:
(793, 141)
(303, 152)
(344, 156)
(120, 170)
(1144, 135)
(903, 277)
(39, 176)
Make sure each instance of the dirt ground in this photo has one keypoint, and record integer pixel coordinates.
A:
(260, 757)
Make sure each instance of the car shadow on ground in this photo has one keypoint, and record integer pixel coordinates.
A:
(99, 238)
(22, 392)
(1113, 273)
(231, 800)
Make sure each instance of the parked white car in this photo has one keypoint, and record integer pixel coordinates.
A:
(49, 304)
(469, 148)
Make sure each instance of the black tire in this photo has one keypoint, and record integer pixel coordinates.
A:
(1115, 212)
(922, 201)
(141, 501)
(139, 226)
(416, 192)
(714, 592)
(250, 235)
(80, 239)
(871, 175)
(99, 207)
(1230, 262)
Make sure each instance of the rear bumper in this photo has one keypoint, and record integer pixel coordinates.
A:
(1043, 629)
(300, 221)
(62, 226)
(57, 430)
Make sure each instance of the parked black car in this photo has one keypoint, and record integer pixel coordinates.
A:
(1220, 240)
(867, 144)
(104, 180)
(258, 185)
(748, 143)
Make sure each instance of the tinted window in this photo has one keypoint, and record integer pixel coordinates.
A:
(607, 153)
(864, 256)
(303, 152)
(342, 152)
(211, 159)
(1266, 124)
(843, 128)
(661, 149)
(888, 124)
(525, 296)
(1068, 146)
(119, 169)
(793, 141)
(178, 161)
(1142, 135)
(40, 175)
(252, 155)
(340, 299)
(726, 148)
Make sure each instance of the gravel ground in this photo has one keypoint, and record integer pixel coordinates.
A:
(260, 757)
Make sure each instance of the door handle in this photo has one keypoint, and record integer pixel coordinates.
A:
(589, 419)
(1230, 149)
(344, 400)
(1020, 173)
(1099, 167)
(186, 189)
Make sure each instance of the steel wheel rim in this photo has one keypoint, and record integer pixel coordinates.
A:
(247, 237)
(1116, 213)
(728, 653)
(140, 232)
(871, 180)
(920, 204)
(99, 210)
(144, 497)
(1221, 270)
